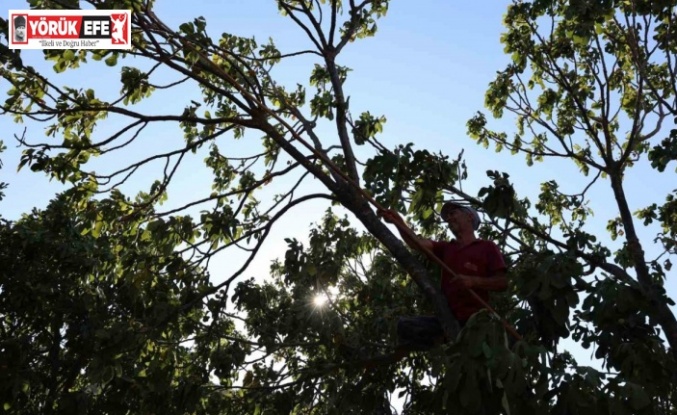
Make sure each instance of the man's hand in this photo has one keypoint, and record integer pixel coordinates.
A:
(497, 282)
(465, 281)
(390, 216)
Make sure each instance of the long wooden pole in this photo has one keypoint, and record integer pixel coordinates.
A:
(207, 62)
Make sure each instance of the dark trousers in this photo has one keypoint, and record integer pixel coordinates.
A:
(420, 332)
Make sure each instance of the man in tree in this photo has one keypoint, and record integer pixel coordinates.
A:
(478, 263)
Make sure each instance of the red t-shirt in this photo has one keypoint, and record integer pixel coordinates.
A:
(479, 258)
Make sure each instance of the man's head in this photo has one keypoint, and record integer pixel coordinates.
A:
(19, 27)
(460, 218)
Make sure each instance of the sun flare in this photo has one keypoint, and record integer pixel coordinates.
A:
(320, 300)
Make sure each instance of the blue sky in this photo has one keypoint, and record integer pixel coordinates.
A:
(426, 71)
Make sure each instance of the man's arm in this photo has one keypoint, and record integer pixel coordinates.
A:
(415, 243)
(418, 244)
(496, 282)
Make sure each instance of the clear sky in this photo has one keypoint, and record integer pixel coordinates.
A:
(426, 70)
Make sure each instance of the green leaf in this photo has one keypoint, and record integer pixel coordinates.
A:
(487, 351)
(68, 55)
(470, 395)
(639, 399)
(112, 60)
(108, 374)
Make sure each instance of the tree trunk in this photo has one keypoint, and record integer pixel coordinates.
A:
(661, 311)
(418, 273)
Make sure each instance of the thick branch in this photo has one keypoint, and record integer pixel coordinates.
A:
(332, 26)
(405, 258)
(341, 118)
(662, 312)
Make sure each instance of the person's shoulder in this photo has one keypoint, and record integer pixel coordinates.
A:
(446, 242)
(443, 243)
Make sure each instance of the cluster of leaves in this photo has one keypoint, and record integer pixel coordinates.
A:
(96, 323)
(546, 284)
(570, 60)
(412, 181)
(320, 347)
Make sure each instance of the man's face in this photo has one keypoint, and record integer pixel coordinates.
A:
(458, 220)
(20, 32)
